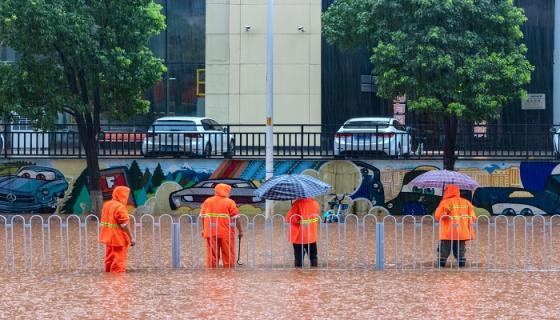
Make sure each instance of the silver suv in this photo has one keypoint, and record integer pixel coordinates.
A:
(187, 135)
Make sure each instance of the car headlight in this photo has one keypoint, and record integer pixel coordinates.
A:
(45, 192)
(188, 198)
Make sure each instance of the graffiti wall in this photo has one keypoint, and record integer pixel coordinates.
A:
(177, 186)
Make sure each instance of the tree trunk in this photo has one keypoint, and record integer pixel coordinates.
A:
(92, 160)
(89, 142)
(450, 142)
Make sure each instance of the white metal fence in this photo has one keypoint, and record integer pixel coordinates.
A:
(36, 243)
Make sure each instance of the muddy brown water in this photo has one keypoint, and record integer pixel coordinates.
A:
(289, 294)
(67, 283)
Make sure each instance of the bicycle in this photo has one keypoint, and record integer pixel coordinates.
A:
(338, 215)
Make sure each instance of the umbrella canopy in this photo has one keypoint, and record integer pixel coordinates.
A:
(290, 187)
(441, 178)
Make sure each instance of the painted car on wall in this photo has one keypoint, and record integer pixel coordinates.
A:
(33, 189)
(241, 192)
(514, 201)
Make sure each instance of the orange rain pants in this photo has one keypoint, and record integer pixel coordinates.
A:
(225, 246)
(115, 258)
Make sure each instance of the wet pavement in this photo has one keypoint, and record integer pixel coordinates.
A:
(291, 294)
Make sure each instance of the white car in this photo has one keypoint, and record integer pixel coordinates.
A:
(187, 135)
(372, 135)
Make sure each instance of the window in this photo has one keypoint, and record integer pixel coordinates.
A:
(174, 125)
(366, 124)
(206, 125)
(216, 126)
(398, 125)
(242, 185)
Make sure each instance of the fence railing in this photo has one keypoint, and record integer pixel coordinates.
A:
(290, 141)
(33, 243)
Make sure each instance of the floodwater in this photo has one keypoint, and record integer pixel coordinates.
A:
(54, 273)
(291, 294)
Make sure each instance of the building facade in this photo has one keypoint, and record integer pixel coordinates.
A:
(215, 52)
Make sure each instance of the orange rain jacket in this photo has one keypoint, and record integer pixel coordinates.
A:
(303, 218)
(113, 215)
(455, 213)
(217, 211)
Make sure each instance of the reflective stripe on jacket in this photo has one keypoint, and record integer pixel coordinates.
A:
(455, 215)
(217, 212)
(303, 218)
(113, 215)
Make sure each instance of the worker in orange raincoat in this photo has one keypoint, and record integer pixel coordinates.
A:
(217, 213)
(456, 216)
(115, 230)
(303, 218)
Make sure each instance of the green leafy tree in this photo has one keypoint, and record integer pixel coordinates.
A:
(135, 176)
(84, 58)
(158, 178)
(456, 59)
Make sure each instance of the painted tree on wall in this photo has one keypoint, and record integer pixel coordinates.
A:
(147, 180)
(135, 176)
(456, 59)
(158, 178)
(83, 58)
(71, 202)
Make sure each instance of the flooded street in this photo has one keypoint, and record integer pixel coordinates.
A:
(292, 294)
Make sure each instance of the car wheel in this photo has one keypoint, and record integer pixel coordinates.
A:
(508, 212)
(208, 150)
(527, 212)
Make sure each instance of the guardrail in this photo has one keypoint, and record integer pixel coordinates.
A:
(290, 141)
(30, 243)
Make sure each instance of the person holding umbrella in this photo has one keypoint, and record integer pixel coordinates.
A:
(455, 215)
(303, 219)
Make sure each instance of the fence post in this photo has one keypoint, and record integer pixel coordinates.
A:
(176, 246)
(302, 129)
(380, 246)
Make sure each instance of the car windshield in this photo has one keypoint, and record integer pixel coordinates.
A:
(169, 125)
(366, 124)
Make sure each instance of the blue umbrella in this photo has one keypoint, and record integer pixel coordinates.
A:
(290, 187)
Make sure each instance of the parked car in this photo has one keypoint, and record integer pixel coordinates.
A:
(187, 135)
(32, 189)
(241, 192)
(372, 135)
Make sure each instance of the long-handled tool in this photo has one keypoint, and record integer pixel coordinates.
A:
(239, 250)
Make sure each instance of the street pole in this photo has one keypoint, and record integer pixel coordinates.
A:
(556, 66)
(166, 75)
(269, 101)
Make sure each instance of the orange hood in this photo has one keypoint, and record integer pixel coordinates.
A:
(121, 194)
(452, 191)
(222, 190)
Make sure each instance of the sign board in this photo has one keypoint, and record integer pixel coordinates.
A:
(534, 101)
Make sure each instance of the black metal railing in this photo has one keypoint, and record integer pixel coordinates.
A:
(290, 141)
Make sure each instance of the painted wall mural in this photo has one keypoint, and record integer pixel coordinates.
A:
(177, 186)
